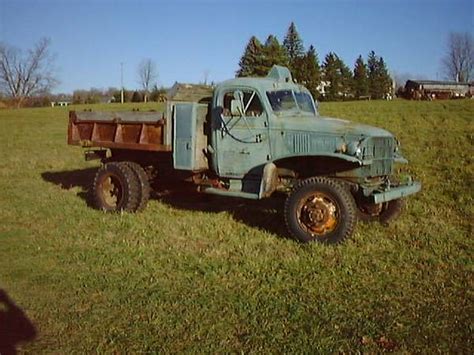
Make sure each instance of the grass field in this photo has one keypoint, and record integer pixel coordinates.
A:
(194, 275)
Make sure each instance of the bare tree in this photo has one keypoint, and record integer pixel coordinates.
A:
(147, 75)
(25, 74)
(458, 63)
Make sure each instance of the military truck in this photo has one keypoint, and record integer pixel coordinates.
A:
(250, 138)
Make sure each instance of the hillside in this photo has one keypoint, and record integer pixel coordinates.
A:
(218, 275)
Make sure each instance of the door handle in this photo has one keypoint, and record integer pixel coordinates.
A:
(259, 138)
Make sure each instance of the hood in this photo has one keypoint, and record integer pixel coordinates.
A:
(331, 126)
(346, 127)
(301, 135)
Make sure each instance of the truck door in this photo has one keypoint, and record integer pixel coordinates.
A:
(241, 136)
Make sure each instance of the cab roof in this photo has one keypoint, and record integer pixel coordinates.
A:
(277, 79)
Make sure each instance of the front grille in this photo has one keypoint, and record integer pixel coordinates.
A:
(299, 142)
(380, 150)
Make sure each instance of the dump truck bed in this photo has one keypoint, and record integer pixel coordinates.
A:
(119, 130)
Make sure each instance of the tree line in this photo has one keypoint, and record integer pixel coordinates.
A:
(27, 77)
(113, 95)
(330, 80)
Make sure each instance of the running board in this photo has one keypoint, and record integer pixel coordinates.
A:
(221, 192)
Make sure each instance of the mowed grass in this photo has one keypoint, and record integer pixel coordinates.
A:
(220, 275)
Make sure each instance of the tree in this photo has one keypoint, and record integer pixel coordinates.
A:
(380, 82)
(339, 76)
(251, 61)
(273, 54)
(310, 71)
(137, 96)
(158, 94)
(458, 62)
(147, 75)
(347, 80)
(26, 74)
(295, 50)
(331, 75)
(360, 83)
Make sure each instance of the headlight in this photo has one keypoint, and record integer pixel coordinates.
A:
(397, 144)
(342, 148)
(355, 149)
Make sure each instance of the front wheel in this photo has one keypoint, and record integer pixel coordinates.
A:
(320, 209)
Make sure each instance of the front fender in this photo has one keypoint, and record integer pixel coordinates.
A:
(341, 156)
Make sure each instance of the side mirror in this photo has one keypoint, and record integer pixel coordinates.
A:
(236, 108)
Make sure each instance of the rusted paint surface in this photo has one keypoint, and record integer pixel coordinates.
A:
(121, 132)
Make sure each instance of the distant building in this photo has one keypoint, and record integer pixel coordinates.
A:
(321, 88)
(430, 89)
(60, 103)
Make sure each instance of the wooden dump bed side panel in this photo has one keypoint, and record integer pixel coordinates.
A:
(120, 130)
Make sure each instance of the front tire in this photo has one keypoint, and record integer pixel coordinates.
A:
(320, 209)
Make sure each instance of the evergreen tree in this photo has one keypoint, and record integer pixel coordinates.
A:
(273, 53)
(372, 65)
(293, 43)
(347, 80)
(338, 75)
(331, 75)
(361, 84)
(378, 77)
(252, 59)
(385, 78)
(311, 72)
(295, 49)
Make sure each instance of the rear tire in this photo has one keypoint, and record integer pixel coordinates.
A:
(116, 188)
(143, 182)
(320, 209)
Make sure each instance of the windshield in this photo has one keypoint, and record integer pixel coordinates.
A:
(288, 100)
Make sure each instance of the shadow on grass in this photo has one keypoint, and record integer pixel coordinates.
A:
(15, 327)
(264, 214)
(73, 178)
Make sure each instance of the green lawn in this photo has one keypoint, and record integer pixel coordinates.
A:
(219, 275)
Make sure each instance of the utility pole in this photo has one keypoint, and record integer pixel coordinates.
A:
(121, 82)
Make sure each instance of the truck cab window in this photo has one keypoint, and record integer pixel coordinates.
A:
(252, 106)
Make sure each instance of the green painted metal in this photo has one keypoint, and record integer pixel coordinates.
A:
(293, 133)
(231, 193)
(397, 192)
(289, 127)
(184, 128)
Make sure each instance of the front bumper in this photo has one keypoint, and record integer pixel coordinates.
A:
(397, 192)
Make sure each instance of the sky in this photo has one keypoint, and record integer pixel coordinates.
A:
(191, 39)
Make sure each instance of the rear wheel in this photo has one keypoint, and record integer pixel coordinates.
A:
(143, 183)
(116, 188)
(320, 209)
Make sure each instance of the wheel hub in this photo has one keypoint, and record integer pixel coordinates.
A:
(318, 214)
(111, 191)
